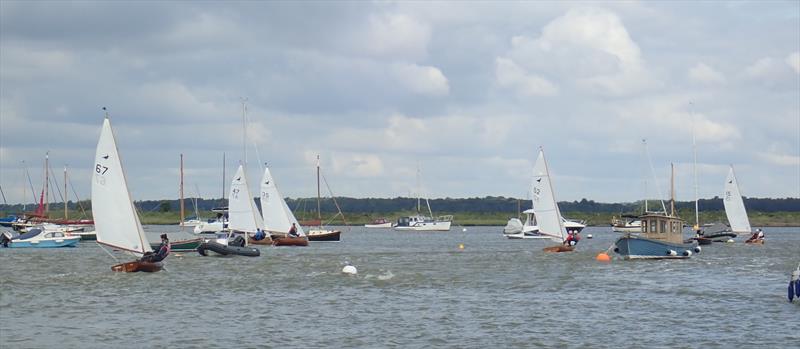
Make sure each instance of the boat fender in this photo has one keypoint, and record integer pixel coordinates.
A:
(672, 253)
(349, 269)
(687, 253)
(697, 249)
(616, 249)
(589, 236)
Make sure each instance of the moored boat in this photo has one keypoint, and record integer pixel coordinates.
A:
(223, 246)
(182, 245)
(379, 223)
(36, 238)
(626, 223)
(278, 218)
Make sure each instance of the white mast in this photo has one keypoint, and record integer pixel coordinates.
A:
(694, 170)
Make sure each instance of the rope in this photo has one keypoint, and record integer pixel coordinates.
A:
(109, 253)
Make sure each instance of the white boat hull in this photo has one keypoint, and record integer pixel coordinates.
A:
(382, 225)
(426, 226)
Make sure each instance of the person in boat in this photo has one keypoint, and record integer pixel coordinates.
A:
(293, 231)
(260, 235)
(757, 235)
(572, 238)
(160, 253)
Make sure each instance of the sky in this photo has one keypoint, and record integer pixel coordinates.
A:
(466, 92)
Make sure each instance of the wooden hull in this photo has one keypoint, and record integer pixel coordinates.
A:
(755, 242)
(559, 248)
(329, 236)
(290, 241)
(136, 266)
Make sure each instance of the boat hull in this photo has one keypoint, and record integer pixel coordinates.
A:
(634, 247)
(137, 266)
(182, 245)
(382, 225)
(425, 226)
(755, 242)
(290, 241)
(559, 248)
(226, 250)
(525, 235)
(328, 236)
(45, 243)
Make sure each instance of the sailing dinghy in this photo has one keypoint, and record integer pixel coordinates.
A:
(734, 208)
(115, 218)
(545, 208)
(277, 216)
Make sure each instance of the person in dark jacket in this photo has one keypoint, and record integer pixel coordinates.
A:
(160, 253)
(293, 231)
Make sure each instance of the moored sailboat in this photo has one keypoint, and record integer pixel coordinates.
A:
(116, 221)
(320, 233)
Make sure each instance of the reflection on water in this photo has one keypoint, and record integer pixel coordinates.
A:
(413, 289)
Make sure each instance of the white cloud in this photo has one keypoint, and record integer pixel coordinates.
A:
(396, 35)
(763, 68)
(793, 60)
(357, 164)
(423, 80)
(588, 47)
(704, 74)
(510, 75)
(28, 63)
(780, 159)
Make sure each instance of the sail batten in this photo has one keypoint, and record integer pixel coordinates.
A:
(545, 208)
(115, 218)
(734, 206)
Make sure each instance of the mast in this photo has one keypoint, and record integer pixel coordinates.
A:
(182, 205)
(672, 189)
(244, 130)
(694, 170)
(24, 190)
(319, 210)
(66, 213)
(223, 179)
(46, 183)
(644, 177)
(419, 188)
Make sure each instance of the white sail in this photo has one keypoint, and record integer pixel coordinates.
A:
(548, 216)
(734, 206)
(277, 216)
(242, 212)
(115, 218)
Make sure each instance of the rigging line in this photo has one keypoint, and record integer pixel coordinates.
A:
(4, 195)
(58, 188)
(30, 182)
(334, 199)
(655, 178)
(109, 253)
(83, 211)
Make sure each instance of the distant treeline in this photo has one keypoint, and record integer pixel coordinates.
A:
(445, 205)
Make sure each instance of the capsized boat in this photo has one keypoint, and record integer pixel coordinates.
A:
(181, 245)
(515, 229)
(545, 208)
(116, 222)
(37, 238)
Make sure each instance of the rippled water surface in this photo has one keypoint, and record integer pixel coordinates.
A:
(412, 290)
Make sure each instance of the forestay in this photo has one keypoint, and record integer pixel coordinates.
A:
(242, 213)
(115, 218)
(277, 215)
(548, 216)
(734, 206)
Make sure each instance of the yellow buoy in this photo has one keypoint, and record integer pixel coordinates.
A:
(460, 246)
(603, 257)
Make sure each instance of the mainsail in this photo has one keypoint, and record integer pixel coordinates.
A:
(548, 216)
(242, 213)
(277, 215)
(115, 218)
(734, 206)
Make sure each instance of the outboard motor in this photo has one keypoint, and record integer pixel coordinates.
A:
(238, 241)
(5, 238)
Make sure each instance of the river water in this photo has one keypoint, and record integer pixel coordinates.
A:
(413, 290)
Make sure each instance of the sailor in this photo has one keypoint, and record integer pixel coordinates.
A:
(293, 231)
(161, 253)
(260, 235)
(757, 235)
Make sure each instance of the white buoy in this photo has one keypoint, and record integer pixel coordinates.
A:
(589, 236)
(730, 241)
(349, 269)
(463, 229)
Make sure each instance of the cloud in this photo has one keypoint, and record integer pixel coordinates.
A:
(357, 164)
(588, 47)
(396, 35)
(780, 159)
(704, 74)
(764, 68)
(793, 60)
(423, 80)
(509, 75)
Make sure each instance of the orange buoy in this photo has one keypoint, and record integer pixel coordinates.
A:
(603, 257)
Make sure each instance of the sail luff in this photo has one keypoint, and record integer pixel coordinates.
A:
(734, 205)
(548, 216)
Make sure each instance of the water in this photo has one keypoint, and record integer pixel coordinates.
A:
(412, 290)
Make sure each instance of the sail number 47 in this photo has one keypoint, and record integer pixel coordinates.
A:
(100, 169)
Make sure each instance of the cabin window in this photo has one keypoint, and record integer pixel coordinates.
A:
(663, 226)
(644, 226)
(653, 227)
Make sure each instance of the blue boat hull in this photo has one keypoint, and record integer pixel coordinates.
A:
(633, 247)
(45, 244)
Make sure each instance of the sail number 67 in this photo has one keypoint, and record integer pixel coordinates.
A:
(100, 169)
